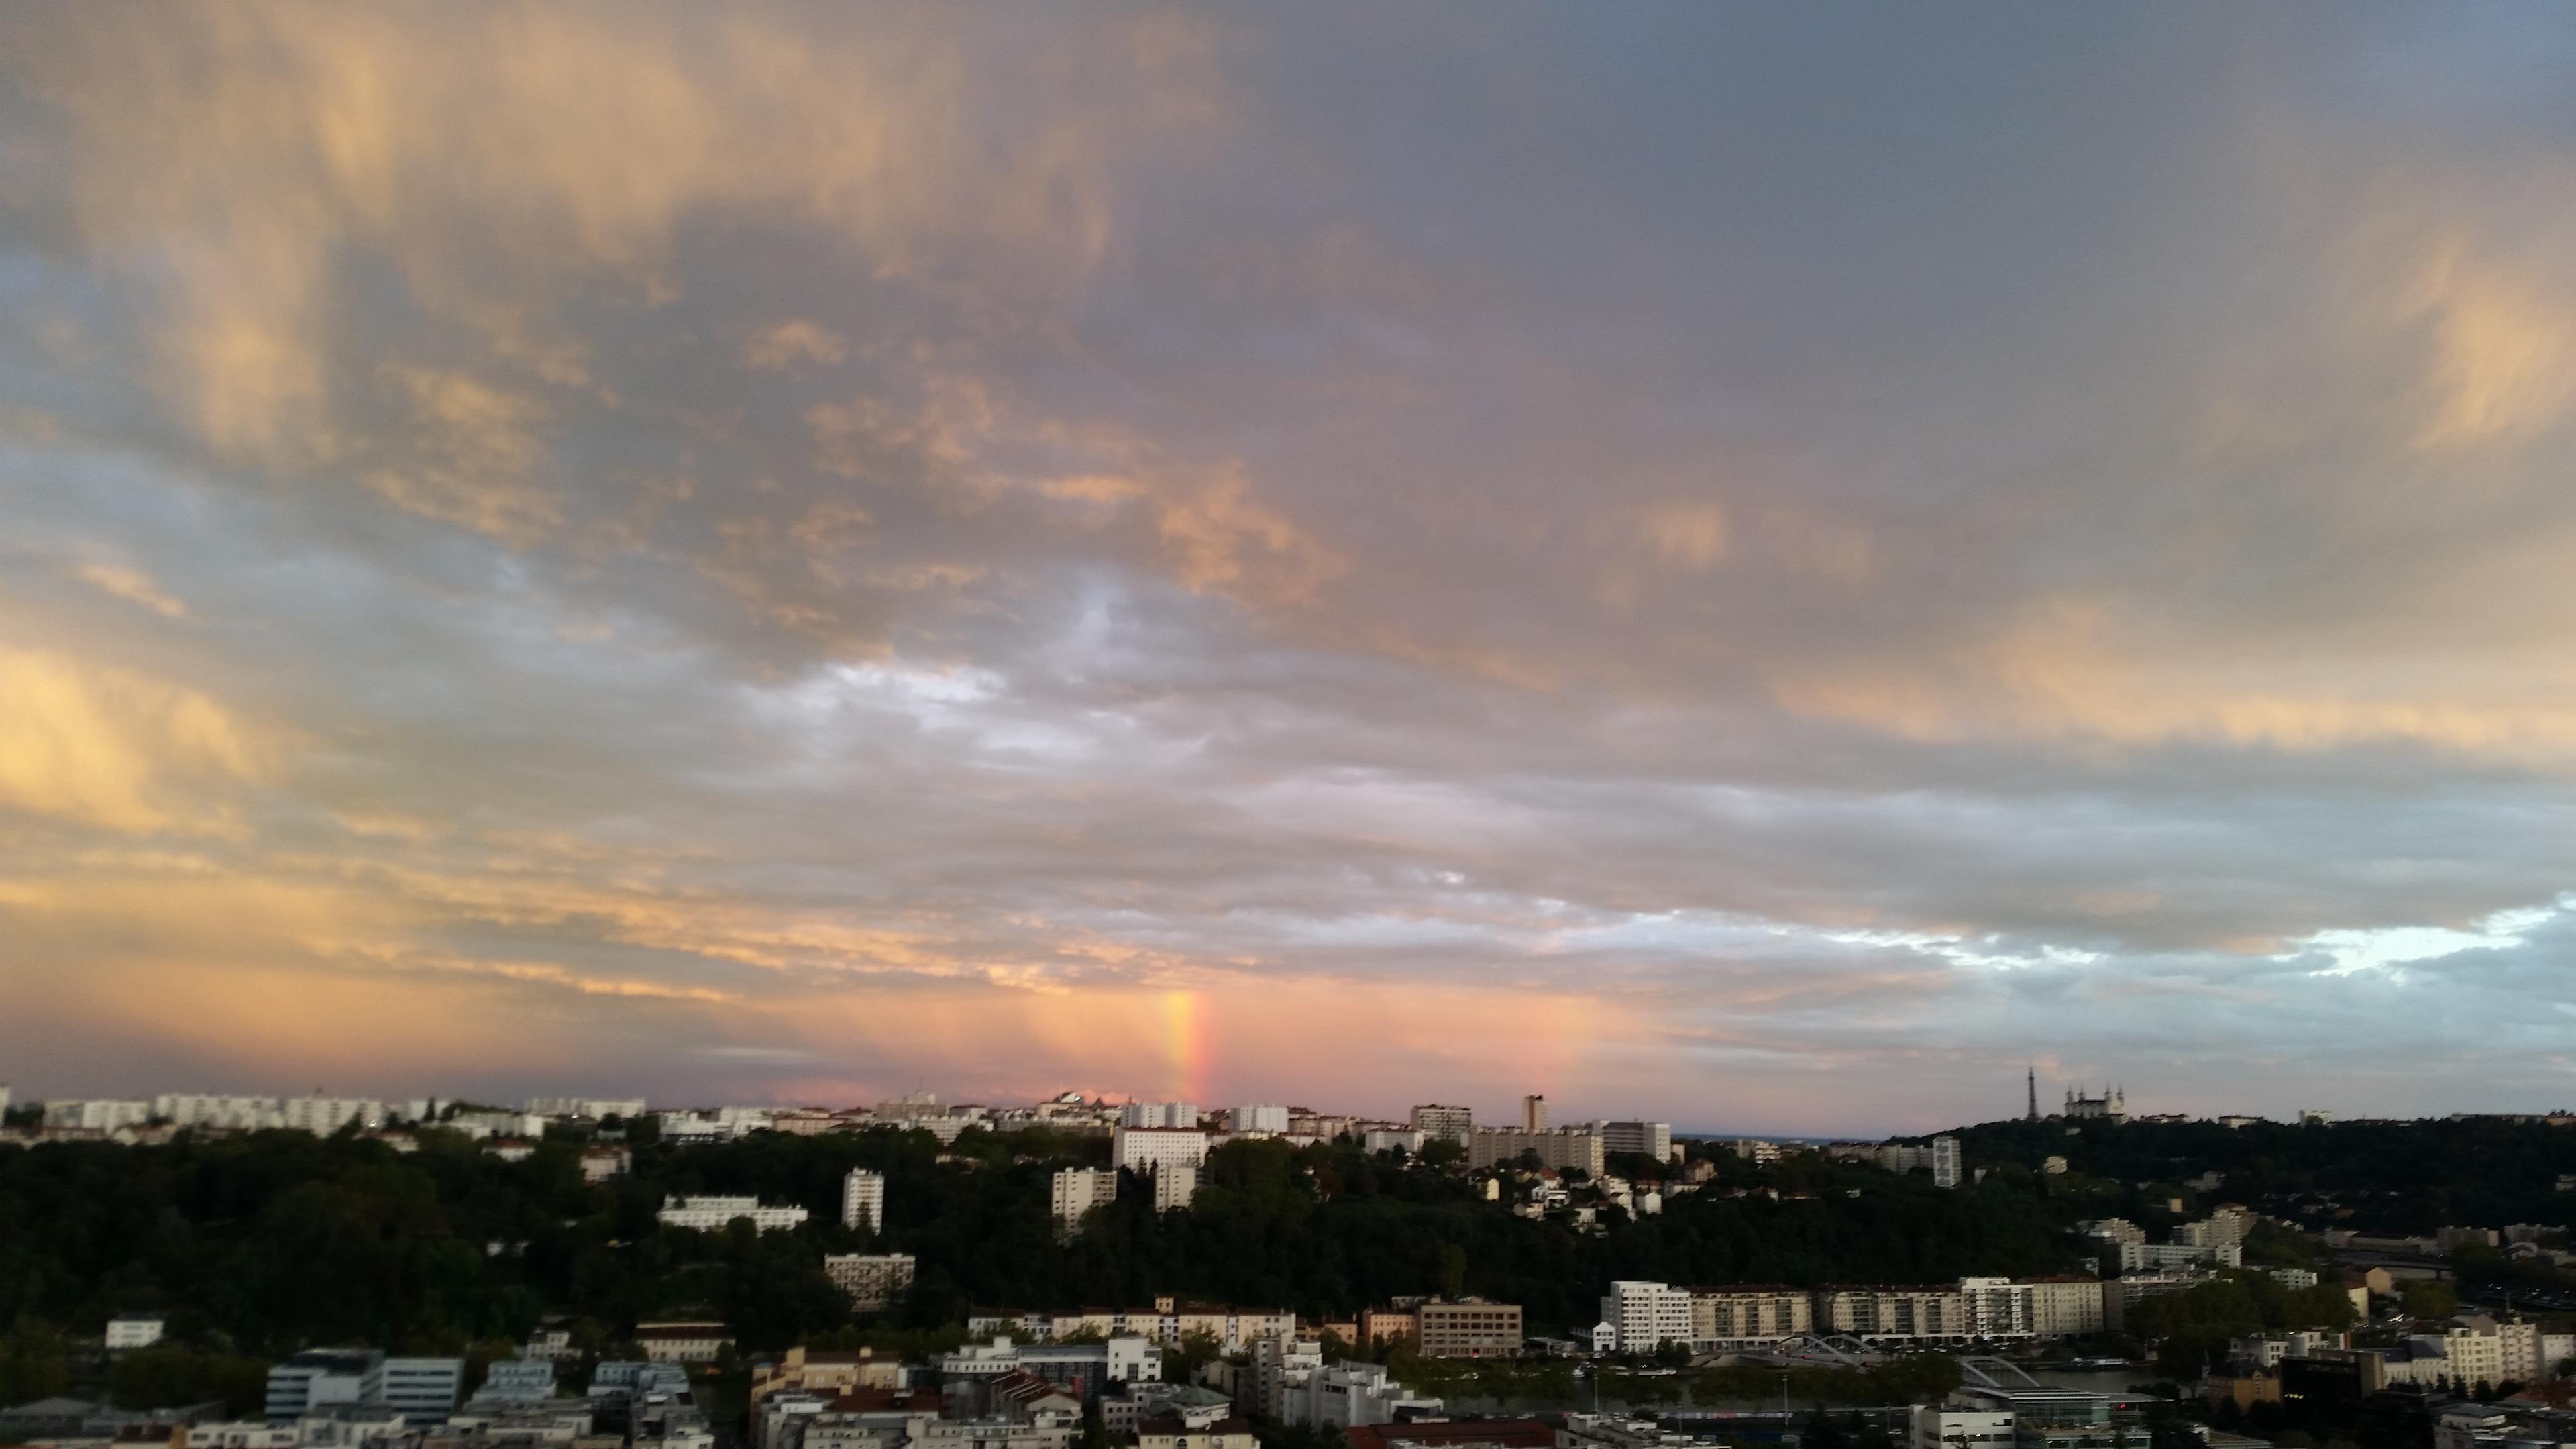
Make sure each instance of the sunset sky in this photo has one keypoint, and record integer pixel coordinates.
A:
(1756, 565)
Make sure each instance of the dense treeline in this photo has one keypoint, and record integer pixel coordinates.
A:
(2386, 1177)
(264, 1243)
(259, 1244)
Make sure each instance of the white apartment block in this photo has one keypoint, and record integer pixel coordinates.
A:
(1945, 1162)
(1398, 1139)
(1182, 1116)
(863, 1200)
(1077, 1190)
(1432, 1119)
(1174, 1187)
(134, 1330)
(1654, 1139)
(873, 1280)
(2226, 1227)
(1749, 1315)
(1642, 1316)
(707, 1213)
(598, 1109)
(1237, 1330)
(96, 1115)
(1998, 1308)
(1143, 1149)
(1259, 1117)
(2153, 1257)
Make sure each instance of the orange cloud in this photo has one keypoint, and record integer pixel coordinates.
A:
(113, 749)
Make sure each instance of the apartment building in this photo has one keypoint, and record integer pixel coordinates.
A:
(1749, 1315)
(1641, 1317)
(873, 1280)
(1143, 1149)
(1896, 1315)
(1077, 1190)
(863, 1200)
(707, 1213)
(1432, 1119)
(1268, 1117)
(1562, 1149)
(1654, 1139)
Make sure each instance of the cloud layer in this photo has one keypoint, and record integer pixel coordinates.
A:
(1756, 568)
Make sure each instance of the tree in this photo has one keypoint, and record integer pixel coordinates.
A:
(2427, 1298)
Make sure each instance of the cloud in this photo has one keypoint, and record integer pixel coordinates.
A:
(114, 749)
(133, 586)
(770, 552)
(789, 343)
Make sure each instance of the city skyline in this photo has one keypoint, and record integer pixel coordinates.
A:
(1755, 567)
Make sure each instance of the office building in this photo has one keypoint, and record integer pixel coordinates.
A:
(863, 1200)
(421, 1390)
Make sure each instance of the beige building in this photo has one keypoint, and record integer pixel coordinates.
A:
(2065, 1307)
(682, 1342)
(1898, 1314)
(821, 1372)
(1469, 1328)
(1749, 1315)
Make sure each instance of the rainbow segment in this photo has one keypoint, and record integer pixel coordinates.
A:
(1185, 1036)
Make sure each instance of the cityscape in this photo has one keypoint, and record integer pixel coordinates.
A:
(1287, 724)
(2233, 1304)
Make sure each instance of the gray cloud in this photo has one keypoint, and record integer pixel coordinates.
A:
(1761, 569)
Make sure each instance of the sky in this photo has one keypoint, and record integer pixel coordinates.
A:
(1763, 566)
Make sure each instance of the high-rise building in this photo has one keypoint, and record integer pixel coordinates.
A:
(1533, 1113)
(1262, 1117)
(1077, 1190)
(1945, 1162)
(1643, 1317)
(1654, 1139)
(1183, 1116)
(863, 1200)
(1571, 1147)
(1434, 1120)
(1175, 1184)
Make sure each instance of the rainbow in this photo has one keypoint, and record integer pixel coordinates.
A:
(1185, 1039)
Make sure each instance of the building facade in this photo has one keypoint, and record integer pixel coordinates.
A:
(707, 1213)
(1654, 1139)
(863, 1200)
(873, 1280)
(1077, 1190)
(1468, 1328)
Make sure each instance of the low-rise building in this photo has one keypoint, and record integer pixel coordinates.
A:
(134, 1330)
(1170, 1431)
(682, 1343)
(825, 1372)
(709, 1212)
